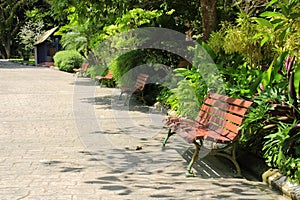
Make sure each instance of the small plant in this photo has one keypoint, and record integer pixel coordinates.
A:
(272, 128)
(190, 92)
(28, 34)
(282, 149)
(67, 60)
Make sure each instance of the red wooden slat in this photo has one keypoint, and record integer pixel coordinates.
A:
(234, 101)
(232, 127)
(141, 81)
(224, 115)
(216, 137)
(227, 107)
(203, 114)
(222, 136)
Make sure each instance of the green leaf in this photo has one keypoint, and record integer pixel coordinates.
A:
(279, 25)
(271, 14)
(272, 2)
(278, 77)
(209, 50)
(267, 76)
(280, 59)
(264, 40)
(257, 35)
(284, 10)
(284, 33)
(297, 77)
(294, 15)
(276, 21)
(170, 12)
(254, 86)
(280, 158)
(264, 22)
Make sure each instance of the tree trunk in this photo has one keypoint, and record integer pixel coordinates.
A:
(209, 17)
(7, 49)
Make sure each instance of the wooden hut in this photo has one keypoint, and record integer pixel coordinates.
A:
(45, 47)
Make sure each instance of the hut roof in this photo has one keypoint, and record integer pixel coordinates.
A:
(44, 36)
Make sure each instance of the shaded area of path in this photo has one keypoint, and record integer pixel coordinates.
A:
(64, 138)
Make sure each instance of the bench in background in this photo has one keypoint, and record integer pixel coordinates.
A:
(82, 70)
(108, 77)
(139, 86)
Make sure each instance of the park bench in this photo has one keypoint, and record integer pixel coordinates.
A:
(218, 121)
(139, 86)
(108, 77)
(82, 70)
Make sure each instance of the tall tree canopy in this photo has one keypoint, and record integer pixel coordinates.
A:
(13, 15)
(192, 17)
(88, 19)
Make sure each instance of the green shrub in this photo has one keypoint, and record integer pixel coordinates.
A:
(66, 60)
(124, 63)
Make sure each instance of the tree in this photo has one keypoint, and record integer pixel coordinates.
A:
(209, 17)
(29, 34)
(13, 15)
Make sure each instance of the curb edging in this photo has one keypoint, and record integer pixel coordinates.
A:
(271, 177)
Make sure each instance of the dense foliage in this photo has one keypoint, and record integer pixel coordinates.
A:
(14, 15)
(67, 60)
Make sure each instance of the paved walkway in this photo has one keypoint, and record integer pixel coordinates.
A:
(63, 138)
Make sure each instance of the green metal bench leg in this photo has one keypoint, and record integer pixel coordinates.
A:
(143, 99)
(170, 133)
(236, 164)
(194, 158)
(232, 158)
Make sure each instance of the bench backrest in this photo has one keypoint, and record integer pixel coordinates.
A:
(109, 75)
(84, 67)
(223, 114)
(141, 81)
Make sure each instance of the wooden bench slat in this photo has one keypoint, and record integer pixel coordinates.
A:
(234, 101)
(224, 125)
(216, 137)
(225, 115)
(226, 107)
(141, 81)
(203, 114)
